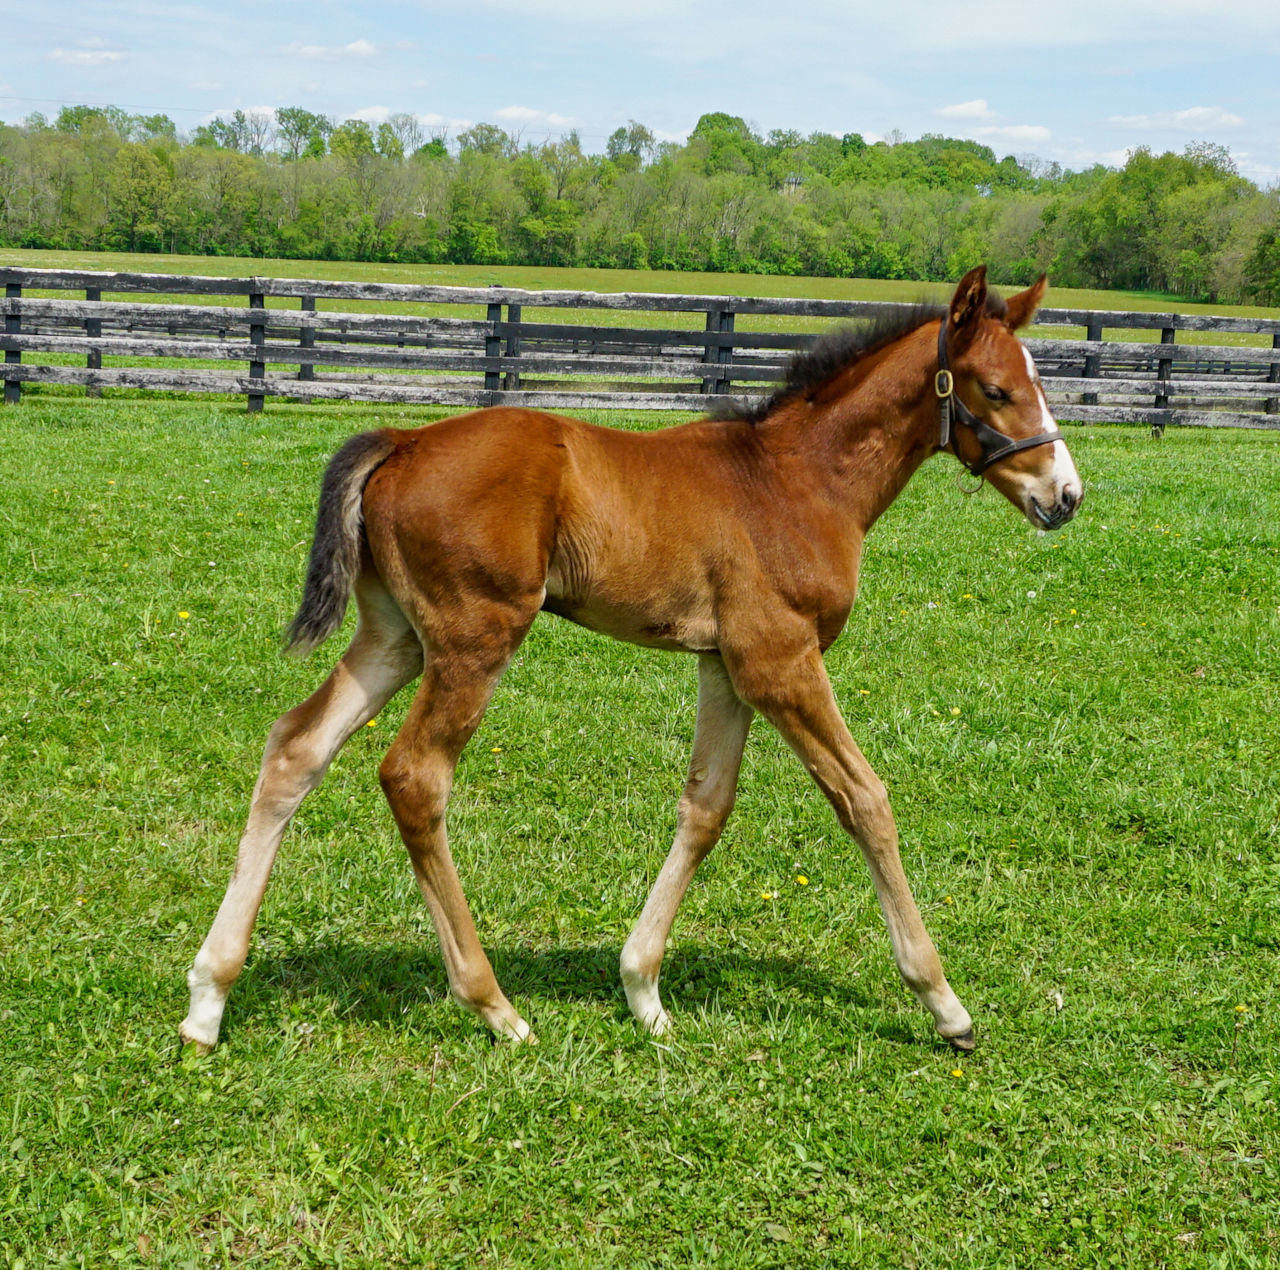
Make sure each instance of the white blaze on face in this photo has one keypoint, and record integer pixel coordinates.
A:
(1063, 474)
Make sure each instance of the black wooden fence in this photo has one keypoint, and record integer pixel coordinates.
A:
(385, 342)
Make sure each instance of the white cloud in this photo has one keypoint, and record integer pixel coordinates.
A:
(92, 52)
(332, 53)
(1194, 119)
(443, 122)
(526, 116)
(977, 109)
(1027, 133)
(431, 123)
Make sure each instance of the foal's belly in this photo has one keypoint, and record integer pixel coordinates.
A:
(674, 627)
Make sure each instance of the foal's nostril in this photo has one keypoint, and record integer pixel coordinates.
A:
(1070, 499)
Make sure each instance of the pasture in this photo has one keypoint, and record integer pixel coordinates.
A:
(1078, 732)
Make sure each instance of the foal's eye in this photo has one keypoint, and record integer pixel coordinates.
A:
(992, 393)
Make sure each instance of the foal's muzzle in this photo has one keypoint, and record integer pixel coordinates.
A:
(1054, 515)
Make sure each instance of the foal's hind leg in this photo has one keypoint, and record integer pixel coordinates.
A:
(384, 656)
(719, 737)
(417, 777)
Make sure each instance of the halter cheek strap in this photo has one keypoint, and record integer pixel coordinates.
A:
(994, 445)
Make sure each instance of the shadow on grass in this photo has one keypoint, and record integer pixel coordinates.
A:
(381, 984)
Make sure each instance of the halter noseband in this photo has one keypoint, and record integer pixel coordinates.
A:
(994, 445)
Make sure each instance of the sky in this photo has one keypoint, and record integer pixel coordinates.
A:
(1074, 83)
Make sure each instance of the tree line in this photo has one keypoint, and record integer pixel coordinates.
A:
(291, 183)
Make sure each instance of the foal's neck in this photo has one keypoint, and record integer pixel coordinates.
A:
(873, 426)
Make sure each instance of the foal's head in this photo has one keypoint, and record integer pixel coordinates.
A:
(996, 380)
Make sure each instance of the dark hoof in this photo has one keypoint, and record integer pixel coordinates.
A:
(965, 1042)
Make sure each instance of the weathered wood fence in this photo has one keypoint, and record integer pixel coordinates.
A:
(566, 349)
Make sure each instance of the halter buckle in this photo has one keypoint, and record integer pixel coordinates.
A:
(943, 384)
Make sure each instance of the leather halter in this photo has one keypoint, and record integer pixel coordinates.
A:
(994, 445)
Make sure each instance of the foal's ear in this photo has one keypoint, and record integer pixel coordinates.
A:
(970, 299)
(1022, 307)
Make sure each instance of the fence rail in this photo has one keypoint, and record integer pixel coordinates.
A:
(470, 346)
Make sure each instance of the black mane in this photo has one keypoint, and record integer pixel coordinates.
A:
(839, 349)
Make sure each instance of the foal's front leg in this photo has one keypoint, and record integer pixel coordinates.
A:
(795, 695)
(719, 737)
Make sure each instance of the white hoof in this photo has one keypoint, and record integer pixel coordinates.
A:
(189, 1036)
(502, 1020)
(518, 1032)
(204, 1015)
(645, 1004)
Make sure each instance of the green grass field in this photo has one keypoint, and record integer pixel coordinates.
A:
(1079, 735)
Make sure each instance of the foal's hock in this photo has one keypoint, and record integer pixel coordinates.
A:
(738, 539)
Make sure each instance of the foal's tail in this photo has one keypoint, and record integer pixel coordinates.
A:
(335, 549)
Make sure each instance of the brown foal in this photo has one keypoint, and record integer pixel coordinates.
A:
(736, 539)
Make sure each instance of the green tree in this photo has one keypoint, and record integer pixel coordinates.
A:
(141, 189)
(301, 134)
(726, 144)
(488, 139)
(1262, 271)
(353, 141)
(389, 144)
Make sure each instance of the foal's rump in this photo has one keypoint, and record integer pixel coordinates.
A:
(423, 503)
(525, 510)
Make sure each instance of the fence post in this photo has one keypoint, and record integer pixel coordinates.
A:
(718, 321)
(1092, 361)
(307, 337)
(1273, 377)
(93, 329)
(1164, 372)
(1164, 368)
(725, 351)
(12, 326)
(257, 336)
(493, 348)
(511, 381)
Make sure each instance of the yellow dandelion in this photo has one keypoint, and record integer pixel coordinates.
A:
(182, 613)
(767, 895)
(801, 880)
(968, 595)
(864, 692)
(497, 749)
(957, 1072)
(1242, 1009)
(948, 900)
(373, 723)
(955, 710)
